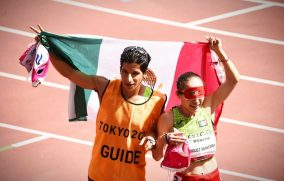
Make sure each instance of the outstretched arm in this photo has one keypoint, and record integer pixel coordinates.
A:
(83, 80)
(231, 72)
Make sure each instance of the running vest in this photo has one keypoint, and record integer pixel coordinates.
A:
(120, 126)
(199, 131)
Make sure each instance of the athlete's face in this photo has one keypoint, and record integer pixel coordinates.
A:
(131, 76)
(193, 103)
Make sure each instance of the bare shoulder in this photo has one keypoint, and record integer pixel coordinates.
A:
(100, 83)
(167, 115)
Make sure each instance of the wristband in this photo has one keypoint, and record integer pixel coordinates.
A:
(167, 138)
(153, 142)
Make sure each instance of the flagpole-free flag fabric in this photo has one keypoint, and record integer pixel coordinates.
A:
(101, 56)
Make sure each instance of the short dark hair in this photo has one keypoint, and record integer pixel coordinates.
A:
(183, 78)
(135, 54)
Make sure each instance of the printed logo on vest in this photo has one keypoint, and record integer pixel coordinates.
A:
(202, 123)
(126, 156)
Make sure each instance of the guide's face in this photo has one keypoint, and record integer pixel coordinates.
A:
(131, 76)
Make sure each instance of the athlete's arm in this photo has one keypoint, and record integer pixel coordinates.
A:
(165, 125)
(232, 76)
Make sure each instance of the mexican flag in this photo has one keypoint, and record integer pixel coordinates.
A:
(101, 56)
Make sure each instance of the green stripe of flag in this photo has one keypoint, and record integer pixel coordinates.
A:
(80, 52)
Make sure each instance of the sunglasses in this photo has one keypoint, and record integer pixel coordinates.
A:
(193, 92)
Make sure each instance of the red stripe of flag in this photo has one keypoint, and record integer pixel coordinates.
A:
(195, 57)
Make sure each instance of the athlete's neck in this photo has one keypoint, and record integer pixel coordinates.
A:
(185, 112)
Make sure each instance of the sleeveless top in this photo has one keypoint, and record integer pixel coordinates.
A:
(120, 126)
(199, 131)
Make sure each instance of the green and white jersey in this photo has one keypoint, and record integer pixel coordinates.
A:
(199, 131)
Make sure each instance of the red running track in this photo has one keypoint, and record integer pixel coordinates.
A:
(37, 142)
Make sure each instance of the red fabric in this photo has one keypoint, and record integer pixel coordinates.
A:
(201, 158)
(177, 157)
(196, 57)
(213, 176)
(194, 92)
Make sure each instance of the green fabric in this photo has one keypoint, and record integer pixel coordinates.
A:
(82, 53)
(183, 123)
(148, 92)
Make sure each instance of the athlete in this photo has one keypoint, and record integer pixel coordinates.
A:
(193, 118)
(128, 112)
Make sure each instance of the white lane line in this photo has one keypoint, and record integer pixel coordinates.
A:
(252, 177)
(55, 85)
(23, 143)
(89, 143)
(65, 87)
(230, 14)
(231, 121)
(126, 1)
(13, 76)
(252, 125)
(120, 13)
(199, 28)
(46, 134)
(167, 22)
(22, 78)
(15, 31)
(238, 35)
(262, 81)
(267, 2)
(30, 141)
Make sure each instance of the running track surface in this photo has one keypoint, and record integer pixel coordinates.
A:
(38, 143)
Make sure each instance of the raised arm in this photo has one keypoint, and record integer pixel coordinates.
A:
(232, 76)
(93, 82)
(83, 80)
